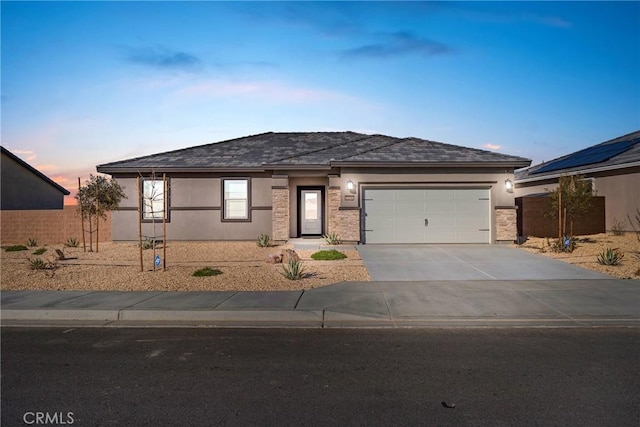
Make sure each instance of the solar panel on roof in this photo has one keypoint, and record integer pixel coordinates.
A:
(589, 156)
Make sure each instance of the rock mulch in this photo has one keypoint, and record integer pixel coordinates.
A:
(589, 247)
(116, 267)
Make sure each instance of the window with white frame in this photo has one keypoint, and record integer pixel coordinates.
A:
(153, 199)
(236, 199)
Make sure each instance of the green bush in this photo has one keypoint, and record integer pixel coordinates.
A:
(32, 242)
(332, 239)
(71, 242)
(39, 251)
(264, 241)
(16, 248)
(207, 271)
(328, 255)
(293, 270)
(610, 257)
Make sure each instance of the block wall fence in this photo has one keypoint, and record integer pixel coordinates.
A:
(48, 227)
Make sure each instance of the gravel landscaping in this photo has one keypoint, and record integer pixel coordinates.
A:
(116, 267)
(589, 247)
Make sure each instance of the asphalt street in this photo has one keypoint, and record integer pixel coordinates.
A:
(474, 376)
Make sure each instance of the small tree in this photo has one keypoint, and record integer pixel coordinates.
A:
(569, 202)
(98, 196)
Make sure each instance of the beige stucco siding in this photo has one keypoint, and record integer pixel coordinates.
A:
(195, 211)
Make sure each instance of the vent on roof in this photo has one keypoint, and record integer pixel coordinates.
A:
(589, 156)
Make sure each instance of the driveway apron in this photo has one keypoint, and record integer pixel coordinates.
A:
(465, 262)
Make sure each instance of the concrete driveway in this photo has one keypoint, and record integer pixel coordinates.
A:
(465, 262)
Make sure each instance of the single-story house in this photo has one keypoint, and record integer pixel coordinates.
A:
(364, 188)
(25, 188)
(613, 167)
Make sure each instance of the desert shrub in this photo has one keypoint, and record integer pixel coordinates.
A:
(328, 255)
(264, 240)
(207, 271)
(31, 242)
(559, 245)
(637, 230)
(15, 248)
(148, 243)
(71, 242)
(617, 228)
(39, 251)
(332, 239)
(293, 270)
(610, 256)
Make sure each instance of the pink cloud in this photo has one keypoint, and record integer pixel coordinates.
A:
(27, 155)
(492, 146)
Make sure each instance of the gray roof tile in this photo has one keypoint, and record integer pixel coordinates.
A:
(312, 149)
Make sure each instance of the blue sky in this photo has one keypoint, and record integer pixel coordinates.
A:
(85, 83)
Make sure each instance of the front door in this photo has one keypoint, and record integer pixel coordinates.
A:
(311, 212)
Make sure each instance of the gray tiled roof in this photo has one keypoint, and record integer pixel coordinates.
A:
(630, 156)
(311, 149)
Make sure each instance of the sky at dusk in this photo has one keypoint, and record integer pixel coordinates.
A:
(85, 83)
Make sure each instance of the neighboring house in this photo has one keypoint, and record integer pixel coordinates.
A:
(365, 188)
(613, 167)
(25, 188)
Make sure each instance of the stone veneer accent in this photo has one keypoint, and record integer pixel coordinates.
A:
(346, 222)
(506, 226)
(280, 212)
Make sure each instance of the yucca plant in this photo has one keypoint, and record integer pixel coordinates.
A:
(610, 256)
(37, 264)
(293, 270)
(264, 240)
(32, 242)
(332, 239)
(71, 242)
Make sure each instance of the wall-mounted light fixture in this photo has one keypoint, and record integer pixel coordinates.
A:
(351, 186)
(508, 185)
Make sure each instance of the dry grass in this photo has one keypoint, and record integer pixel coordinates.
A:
(116, 267)
(588, 248)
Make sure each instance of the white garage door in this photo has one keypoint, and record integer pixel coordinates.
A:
(418, 215)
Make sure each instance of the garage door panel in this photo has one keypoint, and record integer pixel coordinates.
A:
(409, 194)
(406, 207)
(454, 215)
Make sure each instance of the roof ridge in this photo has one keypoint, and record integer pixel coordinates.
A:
(177, 150)
(396, 141)
(364, 136)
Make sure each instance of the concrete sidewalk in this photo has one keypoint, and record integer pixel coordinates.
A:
(548, 303)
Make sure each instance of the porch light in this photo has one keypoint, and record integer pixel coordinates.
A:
(508, 185)
(350, 185)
